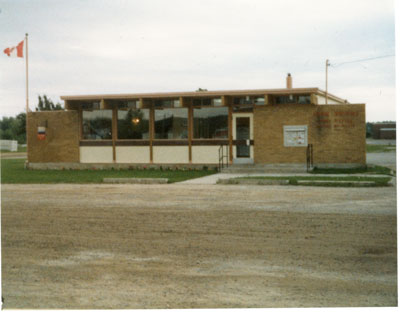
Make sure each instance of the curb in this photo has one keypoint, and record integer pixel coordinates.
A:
(136, 180)
(252, 181)
(332, 182)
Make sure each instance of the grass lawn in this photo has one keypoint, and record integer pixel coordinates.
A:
(12, 171)
(371, 169)
(372, 148)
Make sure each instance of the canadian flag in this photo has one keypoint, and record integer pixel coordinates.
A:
(16, 51)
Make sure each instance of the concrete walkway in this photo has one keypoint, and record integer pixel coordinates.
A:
(381, 142)
(387, 159)
(13, 155)
(212, 179)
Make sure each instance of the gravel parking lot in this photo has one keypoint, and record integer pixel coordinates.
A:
(197, 246)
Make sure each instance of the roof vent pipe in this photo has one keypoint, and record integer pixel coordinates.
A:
(289, 81)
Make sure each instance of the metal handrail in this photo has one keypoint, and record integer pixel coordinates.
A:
(310, 157)
(222, 156)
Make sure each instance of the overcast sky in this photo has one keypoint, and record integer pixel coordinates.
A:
(91, 47)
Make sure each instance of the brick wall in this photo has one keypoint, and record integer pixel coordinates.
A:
(337, 133)
(62, 137)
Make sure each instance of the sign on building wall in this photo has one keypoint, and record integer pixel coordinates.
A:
(41, 135)
(295, 135)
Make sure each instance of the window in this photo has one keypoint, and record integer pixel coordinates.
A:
(242, 101)
(283, 99)
(97, 124)
(295, 135)
(201, 102)
(167, 103)
(300, 99)
(91, 105)
(217, 102)
(171, 123)
(259, 100)
(131, 104)
(304, 99)
(249, 100)
(133, 124)
(210, 123)
(207, 102)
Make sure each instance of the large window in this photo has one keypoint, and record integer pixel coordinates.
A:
(97, 124)
(210, 123)
(171, 123)
(133, 124)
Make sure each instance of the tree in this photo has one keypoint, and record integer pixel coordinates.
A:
(46, 104)
(13, 128)
(21, 128)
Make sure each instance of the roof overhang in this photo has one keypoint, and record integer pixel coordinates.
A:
(95, 97)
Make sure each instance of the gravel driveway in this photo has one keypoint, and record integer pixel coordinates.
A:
(197, 246)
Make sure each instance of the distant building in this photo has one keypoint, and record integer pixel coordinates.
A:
(384, 130)
(9, 145)
(264, 126)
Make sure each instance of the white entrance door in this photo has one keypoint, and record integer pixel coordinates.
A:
(242, 125)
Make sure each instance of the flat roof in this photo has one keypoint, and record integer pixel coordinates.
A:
(198, 94)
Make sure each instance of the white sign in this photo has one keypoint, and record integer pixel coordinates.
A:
(295, 135)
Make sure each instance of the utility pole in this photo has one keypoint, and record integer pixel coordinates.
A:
(326, 81)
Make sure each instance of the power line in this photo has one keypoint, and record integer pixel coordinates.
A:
(362, 60)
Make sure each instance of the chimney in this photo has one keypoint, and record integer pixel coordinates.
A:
(289, 81)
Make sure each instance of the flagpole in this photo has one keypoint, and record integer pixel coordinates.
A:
(27, 91)
(26, 72)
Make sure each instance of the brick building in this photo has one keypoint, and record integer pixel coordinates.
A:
(267, 126)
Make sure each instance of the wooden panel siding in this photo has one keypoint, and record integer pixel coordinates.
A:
(96, 143)
(230, 134)
(151, 121)
(190, 130)
(170, 142)
(132, 143)
(114, 130)
(161, 142)
(198, 142)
